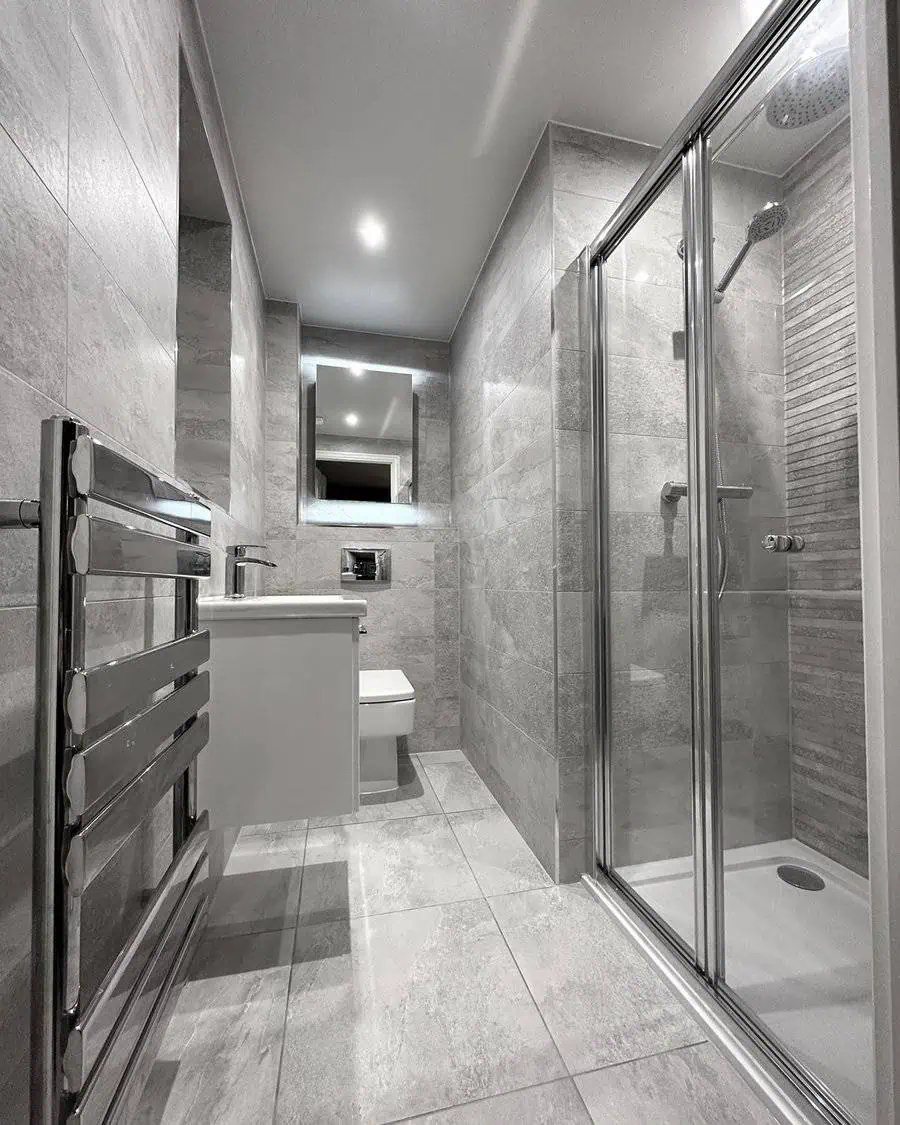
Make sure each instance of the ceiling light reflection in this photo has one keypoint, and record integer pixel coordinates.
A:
(372, 232)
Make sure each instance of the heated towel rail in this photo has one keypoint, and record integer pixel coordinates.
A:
(109, 747)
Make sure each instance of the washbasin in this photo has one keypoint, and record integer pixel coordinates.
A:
(281, 605)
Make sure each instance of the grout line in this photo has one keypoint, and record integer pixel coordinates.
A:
(484, 1100)
(537, 1006)
(642, 1058)
(287, 998)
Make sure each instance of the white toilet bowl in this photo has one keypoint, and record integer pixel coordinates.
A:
(387, 710)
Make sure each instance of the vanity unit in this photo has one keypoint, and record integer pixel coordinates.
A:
(284, 708)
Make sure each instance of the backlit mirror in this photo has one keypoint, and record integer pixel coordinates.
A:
(364, 435)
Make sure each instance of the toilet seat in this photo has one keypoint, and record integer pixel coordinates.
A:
(385, 686)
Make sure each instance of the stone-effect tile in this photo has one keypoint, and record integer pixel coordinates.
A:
(404, 1014)
(260, 887)
(34, 84)
(456, 785)
(556, 1103)
(694, 1084)
(500, 859)
(597, 1016)
(225, 1036)
(366, 869)
(20, 460)
(32, 275)
(112, 209)
(413, 796)
(115, 359)
(103, 33)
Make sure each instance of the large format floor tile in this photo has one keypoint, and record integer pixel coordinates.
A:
(413, 796)
(693, 1086)
(375, 868)
(500, 859)
(554, 1103)
(218, 1063)
(601, 999)
(406, 1013)
(260, 889)
(455, 782)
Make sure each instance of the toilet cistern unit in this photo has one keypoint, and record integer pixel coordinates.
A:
(387, 709)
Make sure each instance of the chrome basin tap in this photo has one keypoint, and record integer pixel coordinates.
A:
(236, 562)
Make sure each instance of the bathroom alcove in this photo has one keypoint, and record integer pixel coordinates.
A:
(203, 398)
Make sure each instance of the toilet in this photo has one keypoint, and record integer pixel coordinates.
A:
(387, 708)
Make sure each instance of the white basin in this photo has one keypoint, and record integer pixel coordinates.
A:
(287, 605)
(284, 708)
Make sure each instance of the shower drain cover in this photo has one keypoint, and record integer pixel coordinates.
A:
(800, 877)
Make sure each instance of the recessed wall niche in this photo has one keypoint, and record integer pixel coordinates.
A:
(203, 398)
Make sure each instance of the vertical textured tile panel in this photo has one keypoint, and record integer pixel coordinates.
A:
(828, 751)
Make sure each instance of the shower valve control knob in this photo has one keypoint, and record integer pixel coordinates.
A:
(783, 543)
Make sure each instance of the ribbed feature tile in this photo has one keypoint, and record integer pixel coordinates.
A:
(828, 748)
(404, 1014)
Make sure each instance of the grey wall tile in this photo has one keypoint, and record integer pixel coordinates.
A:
(24, 409)
(594, 164)
(104, 34)
(120, 378)
(33, 233)
(34, 86)
(108, 202)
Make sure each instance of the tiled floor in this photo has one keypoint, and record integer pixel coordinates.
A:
(414, 961)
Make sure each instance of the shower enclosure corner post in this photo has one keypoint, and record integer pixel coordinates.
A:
(704, 607)
(600, 743)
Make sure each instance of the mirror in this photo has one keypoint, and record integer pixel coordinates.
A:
(203, 318)
(364, 435)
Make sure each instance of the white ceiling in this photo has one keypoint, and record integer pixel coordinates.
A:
(425, 112)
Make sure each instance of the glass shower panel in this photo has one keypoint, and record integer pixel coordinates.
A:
(796, 922)
(648, 613)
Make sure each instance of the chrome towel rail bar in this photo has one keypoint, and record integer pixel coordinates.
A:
(108, 749)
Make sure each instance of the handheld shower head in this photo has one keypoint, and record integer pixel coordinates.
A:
(768, 221)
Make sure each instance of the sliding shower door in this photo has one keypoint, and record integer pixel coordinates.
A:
(797, 947)
(648, 615)
(732, 768)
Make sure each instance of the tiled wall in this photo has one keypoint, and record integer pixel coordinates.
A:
(502, 457)
(88, 270)
(413, 622)
(203, 397)
(826, 659)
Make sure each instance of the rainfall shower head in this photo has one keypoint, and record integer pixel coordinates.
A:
(812, 89)
(765, 223)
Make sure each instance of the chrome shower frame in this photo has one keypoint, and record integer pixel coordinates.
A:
(794, 1093)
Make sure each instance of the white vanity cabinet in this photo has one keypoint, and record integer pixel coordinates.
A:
(284, 708)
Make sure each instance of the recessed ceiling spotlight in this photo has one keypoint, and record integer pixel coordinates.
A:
(356, 369)
(352, 419)
(372, 232)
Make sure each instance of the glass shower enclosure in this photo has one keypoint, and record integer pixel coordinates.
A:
(730, 782)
